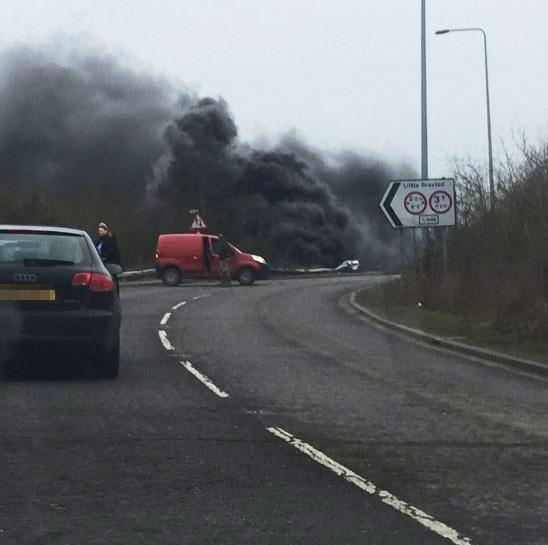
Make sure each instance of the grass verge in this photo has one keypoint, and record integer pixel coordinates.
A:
(398, 303)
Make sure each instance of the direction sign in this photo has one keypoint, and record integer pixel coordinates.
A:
(420, 203)
(198, 222)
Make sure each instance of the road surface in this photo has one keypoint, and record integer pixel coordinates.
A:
(272, 414)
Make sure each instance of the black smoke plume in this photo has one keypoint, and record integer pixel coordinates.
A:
(73, 123)
(314, 211)
(79, 122)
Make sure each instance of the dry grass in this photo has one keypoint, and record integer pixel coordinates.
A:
(398, 301)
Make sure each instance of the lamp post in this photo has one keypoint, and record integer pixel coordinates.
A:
(424, 124)
(491, 178)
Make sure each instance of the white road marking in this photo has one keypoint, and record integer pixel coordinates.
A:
(165, 318)
(205, 380)
(178, 305)
(367, 486)
(201, 296)
(165, 341)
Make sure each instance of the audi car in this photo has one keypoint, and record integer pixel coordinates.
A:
(57, 299)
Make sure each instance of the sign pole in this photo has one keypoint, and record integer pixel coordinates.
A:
(424, 124)
(428, 239)
(401, 254)
(415, 253)
(445, 243)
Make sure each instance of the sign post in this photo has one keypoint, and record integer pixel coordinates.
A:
(425, 203)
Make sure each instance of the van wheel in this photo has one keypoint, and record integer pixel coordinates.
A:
(246, 276)
(171, 276)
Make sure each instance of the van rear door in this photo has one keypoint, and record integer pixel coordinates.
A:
(209, 244)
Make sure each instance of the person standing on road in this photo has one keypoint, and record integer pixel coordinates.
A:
(107, 246)
(225, 253)
(109, 252)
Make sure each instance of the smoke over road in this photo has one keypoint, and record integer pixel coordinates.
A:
(75, 121)
(83, 122)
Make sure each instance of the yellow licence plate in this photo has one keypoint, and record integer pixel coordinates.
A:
(17, 292)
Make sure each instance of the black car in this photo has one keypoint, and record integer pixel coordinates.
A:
(57, 299)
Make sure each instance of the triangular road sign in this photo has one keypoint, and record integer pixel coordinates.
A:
(198, 223)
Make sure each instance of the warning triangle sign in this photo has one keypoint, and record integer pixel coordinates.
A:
(198, 223)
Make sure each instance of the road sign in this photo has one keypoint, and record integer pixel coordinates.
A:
(198, 222)
(420, 203)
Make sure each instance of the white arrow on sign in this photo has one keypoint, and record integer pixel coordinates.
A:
(198, 223)
(420, 203)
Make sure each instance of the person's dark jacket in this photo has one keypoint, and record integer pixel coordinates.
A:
(108, 249)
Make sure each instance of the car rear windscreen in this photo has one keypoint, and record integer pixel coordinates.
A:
(43, 248)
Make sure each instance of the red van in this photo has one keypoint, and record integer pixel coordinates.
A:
(195, 255)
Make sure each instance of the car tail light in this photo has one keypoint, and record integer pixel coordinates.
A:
(94, 281)
(157, 254)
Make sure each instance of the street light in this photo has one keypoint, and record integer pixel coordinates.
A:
(491, 179)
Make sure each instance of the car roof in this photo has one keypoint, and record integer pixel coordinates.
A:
(42, 229)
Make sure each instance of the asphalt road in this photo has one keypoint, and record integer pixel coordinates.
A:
(157, 457)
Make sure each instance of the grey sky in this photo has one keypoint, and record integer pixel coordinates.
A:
(341, 73)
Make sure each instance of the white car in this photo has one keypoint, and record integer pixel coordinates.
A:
(348, 265)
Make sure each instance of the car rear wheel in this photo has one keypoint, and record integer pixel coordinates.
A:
(108, 365)
(171, 276)
(246, 276)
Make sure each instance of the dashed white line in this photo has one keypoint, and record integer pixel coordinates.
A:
(367, 486)
(165, 318)
(201, 296)
(202, 378)
(165, 341)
